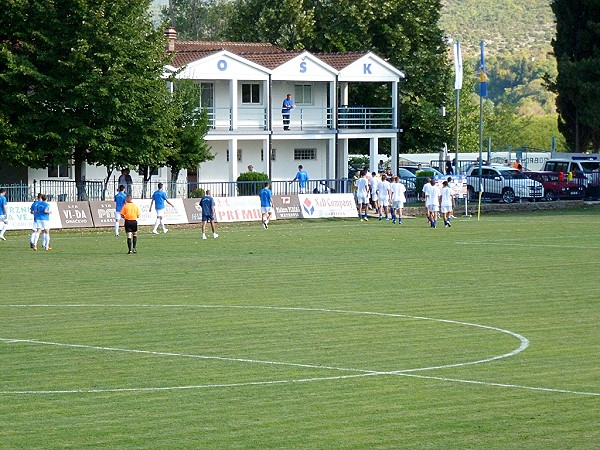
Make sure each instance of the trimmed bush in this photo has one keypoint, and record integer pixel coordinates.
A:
(250, 183)
(197, 193)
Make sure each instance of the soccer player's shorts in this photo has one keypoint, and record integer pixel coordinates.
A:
(160, 212)
(398, 204)
(131, 226)
(435, 207)
(266, 209)
(362, 198)
(207, 218)
(117, 215)
(384, 201)
(42, 224)
(3, 218)
(446, 209)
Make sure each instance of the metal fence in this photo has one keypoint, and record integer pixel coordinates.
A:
(95, 190)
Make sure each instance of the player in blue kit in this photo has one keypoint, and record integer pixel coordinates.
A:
(159, 198)
(207, 203)
(302, 178)
(266, 204)
(3, 213)
(42, 212)
(120, 199)
(32, 210)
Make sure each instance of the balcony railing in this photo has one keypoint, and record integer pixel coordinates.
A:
(365, 118)
(303, 118)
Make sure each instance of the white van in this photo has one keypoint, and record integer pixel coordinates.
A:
(585, 164)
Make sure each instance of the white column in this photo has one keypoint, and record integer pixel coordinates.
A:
(343, 153)
(331, 158)
(373, 151)
(266, 157)
(395, 104)
(233, 102)
(344, 93)
(394, 145)
(233, 162)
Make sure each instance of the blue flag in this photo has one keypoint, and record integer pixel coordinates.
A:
(482, 75)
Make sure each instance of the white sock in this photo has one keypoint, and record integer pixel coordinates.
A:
(116, 227)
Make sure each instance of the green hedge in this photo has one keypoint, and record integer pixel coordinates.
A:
(245, 182)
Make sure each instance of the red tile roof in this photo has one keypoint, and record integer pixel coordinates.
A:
(189, 51)
(263, 54)
(340, 60)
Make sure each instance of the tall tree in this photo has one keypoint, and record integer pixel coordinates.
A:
(80, 80)
(199, 19)
(578, 82)
(405, 32)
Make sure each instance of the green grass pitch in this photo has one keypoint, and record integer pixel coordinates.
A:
(312, 334)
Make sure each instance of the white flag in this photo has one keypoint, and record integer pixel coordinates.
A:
(458, 67)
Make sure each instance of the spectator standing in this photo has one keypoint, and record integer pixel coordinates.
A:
(126, 180)
(120, 200)
(286, 111)
(131, 213)
(302, 178)
(207, 204)
(266, 204)
(517, 165)
(159, 198)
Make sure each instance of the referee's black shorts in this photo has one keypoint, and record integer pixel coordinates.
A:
(131, 226)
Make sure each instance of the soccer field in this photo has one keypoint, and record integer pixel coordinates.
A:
(311, 334)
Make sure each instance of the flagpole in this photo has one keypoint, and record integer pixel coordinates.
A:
(482, 94)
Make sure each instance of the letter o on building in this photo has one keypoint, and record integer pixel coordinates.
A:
(222, 65)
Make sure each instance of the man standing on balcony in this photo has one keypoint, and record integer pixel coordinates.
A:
(286, 111)
(160, 198)
(302, 178)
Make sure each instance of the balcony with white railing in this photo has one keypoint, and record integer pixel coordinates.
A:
(365, 118)
(302, 118)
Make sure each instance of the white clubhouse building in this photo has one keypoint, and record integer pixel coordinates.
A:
(242, 88)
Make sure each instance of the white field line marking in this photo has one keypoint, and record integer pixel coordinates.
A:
(407, 372)
(185, 355)
(521, 244)
(513, 386)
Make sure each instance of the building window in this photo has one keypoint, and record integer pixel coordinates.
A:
(239, 154)
(262, 154)
(227, 155)
(251, 93)
(303, 94)
(273, 153)
(59, 171)
(305, 153)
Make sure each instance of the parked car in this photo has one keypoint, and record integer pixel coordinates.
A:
(557, 186)
(502, 183)
(585, 170)
(415, 169)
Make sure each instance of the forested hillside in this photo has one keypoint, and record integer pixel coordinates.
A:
(507, 26)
